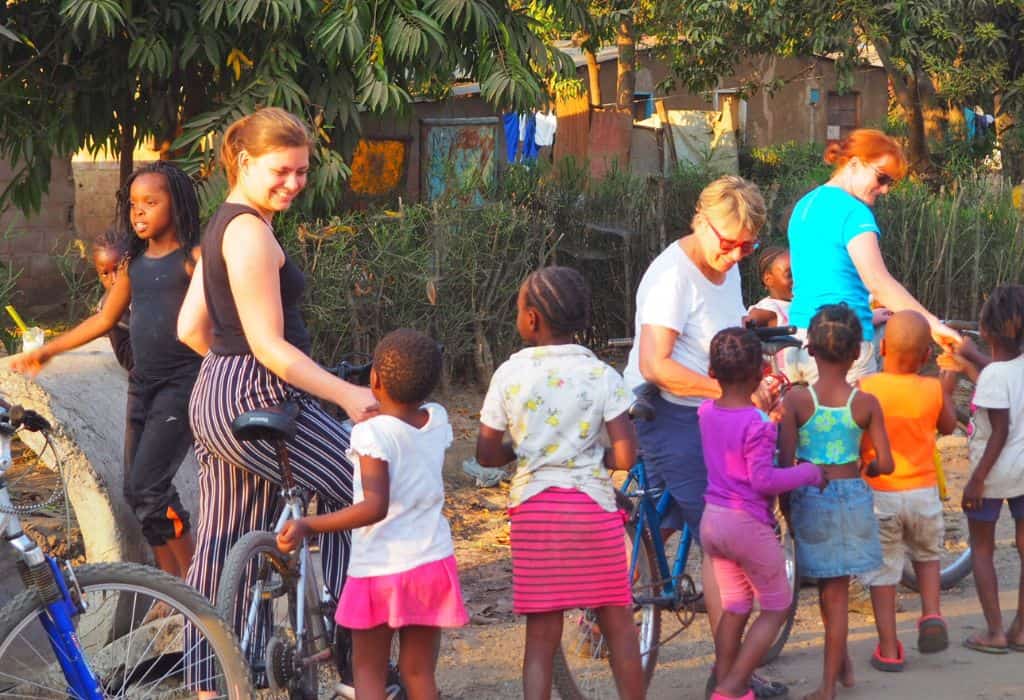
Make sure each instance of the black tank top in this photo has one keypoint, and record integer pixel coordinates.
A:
(228, 336)
(158, 289)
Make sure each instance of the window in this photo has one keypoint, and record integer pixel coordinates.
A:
(844, 113)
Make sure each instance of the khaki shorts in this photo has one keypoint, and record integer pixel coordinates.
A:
(910, 523)
(799, 366)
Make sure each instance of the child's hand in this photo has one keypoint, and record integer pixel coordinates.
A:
(767, 395)
(880, 316)
(951, 362)
(292, 535)
(823, 484)
(973, 494)
(29, 363)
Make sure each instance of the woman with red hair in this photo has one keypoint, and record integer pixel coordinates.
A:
(834, 247)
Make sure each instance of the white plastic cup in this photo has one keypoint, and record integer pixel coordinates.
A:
(32, 338)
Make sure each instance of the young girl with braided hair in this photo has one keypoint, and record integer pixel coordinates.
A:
(996, 452)
(835, 528)
(157, 215)
(737, 530)
(555, 399)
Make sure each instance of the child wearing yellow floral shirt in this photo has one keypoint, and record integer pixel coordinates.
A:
(558, 401)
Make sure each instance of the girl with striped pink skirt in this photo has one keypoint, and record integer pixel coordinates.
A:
(556, 399)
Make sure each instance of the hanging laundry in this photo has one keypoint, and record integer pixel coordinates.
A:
(547, 125)
(510, 124)
(528, 128)
(969, 125)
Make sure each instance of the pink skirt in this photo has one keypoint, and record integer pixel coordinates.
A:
(567, 552)
(428, 596)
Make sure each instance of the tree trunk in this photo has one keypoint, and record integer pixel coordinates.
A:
(126, 151)
(593, 78)
(917, 143)
(625, 85)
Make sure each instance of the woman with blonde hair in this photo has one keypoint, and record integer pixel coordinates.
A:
(834, 247)
(690, 292)
(242, 311)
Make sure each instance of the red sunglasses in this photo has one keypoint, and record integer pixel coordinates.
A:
(727, 245)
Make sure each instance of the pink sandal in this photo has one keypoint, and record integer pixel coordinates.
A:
(721, 696)
(932, 635)
(881, 663)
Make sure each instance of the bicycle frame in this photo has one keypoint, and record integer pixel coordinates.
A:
(653, 505)
(43, 574)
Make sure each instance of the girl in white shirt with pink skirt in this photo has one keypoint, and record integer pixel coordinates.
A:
(402, 575)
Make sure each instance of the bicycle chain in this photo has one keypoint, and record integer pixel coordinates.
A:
(58, 492)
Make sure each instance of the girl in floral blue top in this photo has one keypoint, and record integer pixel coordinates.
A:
(556, 400)
(835, 528)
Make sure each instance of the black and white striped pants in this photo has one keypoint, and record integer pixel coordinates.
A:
(239, 483)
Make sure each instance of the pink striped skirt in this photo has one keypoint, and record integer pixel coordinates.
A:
(567, 552)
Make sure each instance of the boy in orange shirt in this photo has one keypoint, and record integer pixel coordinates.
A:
(907, 500)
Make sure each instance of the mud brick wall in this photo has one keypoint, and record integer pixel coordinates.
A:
(28, 244)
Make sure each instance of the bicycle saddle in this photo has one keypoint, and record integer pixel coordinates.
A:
(275, 424)
(642, 408)
(773, 345)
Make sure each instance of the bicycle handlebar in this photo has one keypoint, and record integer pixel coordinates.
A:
(772, 332)
(349, 372)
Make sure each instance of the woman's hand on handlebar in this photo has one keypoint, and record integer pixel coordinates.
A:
(767, 397)
(358, 402)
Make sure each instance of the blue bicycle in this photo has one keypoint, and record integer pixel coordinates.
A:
(101, 630)
(659, 584)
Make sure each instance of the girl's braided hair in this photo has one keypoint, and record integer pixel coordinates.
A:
(735, 355)
(835, 333)
(184, 207)
(561, 296)
(768, 257)
(1002, 316)
(110, 239)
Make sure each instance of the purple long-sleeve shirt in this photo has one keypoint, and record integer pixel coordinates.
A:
(739, 451)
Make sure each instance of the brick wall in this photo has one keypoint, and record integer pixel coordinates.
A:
(29, 244)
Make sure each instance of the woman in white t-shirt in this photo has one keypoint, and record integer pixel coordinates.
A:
(690, 292)
(402, 575)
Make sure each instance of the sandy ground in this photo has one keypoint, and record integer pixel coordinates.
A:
(483, 659)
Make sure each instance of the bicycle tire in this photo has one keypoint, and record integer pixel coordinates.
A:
(950, 575)
(253, 560)
(793, 578)
(588, 675)
(107, 645)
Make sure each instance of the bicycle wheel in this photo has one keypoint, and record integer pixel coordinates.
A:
(258, 596)
(133, 652)
(581, 670)
(785, 536)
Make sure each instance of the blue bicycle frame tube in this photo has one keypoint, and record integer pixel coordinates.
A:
(56, 619)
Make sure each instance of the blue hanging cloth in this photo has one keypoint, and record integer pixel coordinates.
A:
(530, 147)
(969, 117)
(510, 122)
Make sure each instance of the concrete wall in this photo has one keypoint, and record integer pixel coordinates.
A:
(783, 116)
(28, 244)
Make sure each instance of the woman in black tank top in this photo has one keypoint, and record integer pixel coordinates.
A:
(158, 216)
(243, 312)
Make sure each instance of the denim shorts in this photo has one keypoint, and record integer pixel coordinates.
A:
(991, 507)
(836, 531)
(671, 449)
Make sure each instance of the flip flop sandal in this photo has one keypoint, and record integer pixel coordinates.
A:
(975, 645)
(719, 696)
(881, 663)
(1015, 647)
(932, 634)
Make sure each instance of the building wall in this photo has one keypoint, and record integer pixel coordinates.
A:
(29, 244)
(786, 115)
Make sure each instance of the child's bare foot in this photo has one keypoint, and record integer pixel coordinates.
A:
(846, 673)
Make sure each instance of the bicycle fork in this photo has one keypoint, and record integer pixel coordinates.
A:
(42, 575)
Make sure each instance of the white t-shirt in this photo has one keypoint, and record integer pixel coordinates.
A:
(779, 307)
(415, 531)
(544, 131)
(1000, 385)
(554, 401)
(675, 294)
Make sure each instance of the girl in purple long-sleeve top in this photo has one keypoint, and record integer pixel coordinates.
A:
(737, 528)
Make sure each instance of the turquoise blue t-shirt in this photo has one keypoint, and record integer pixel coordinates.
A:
(824, 221)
